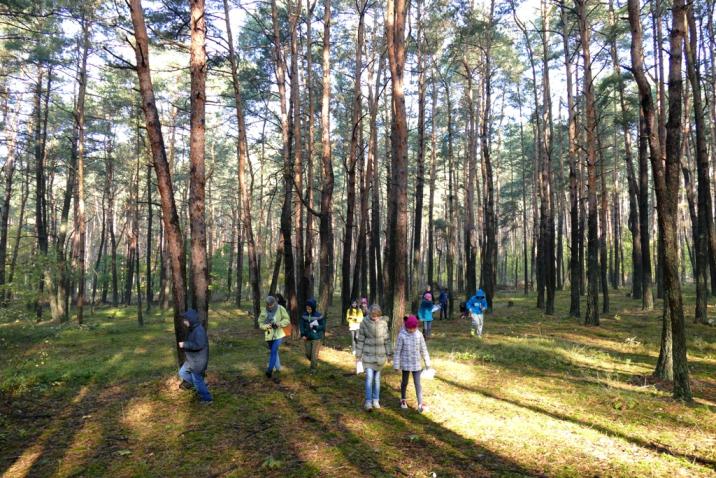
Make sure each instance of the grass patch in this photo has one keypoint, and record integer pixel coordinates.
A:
(537, 396)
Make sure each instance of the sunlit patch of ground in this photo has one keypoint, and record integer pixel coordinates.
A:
(537, 396)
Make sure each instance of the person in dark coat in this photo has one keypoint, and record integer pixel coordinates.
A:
(313, 327)
(443, 298)
(196, 349)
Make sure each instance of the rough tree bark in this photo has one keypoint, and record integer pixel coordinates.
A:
(665, 169)
(705, 238)
(592, 314)
(170, 216)
(395, 17)
(326, 218)
(574, 265)
(197, 142)
(285, 247)
(350, 165)
(243, 162)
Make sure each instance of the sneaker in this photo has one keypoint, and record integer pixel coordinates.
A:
(184, 385)
(368, 406)
(403, 404)
(206, 402)
(277, 377)
(268, 374)
(423, 408)
(376, 404)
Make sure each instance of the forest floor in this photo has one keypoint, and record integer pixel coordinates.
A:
(536, 396)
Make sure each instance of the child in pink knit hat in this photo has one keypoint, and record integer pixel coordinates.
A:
(408, 357)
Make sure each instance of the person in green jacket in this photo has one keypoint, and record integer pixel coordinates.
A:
(373, 347)
(313, 327)
(272, 321)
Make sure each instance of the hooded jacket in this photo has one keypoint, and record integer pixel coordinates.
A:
(312, 332)
(477, 304)
(373, 344)
(196, 345)
(425, 312)
(410, 348)
(280, 318)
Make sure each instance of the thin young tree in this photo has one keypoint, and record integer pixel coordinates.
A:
(242, 153)
(172, 231)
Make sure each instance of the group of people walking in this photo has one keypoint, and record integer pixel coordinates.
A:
(371, 342)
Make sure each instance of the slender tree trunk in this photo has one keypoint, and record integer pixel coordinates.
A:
(666, 183)
(647, 296)
(9, 170)
(80, 118)
(245, 213)
(286, 244)
(592, 315)
(20, 225)
(488, 273)
(373, 179)
(197, 144)
(547, 224)
(633, 187)
(574, 265)
(470, 231)
(308, 275)
(326, 218)
(150, 214)
(705, 240)
(296, 151)
(603, 224)
(161, 167)
(396, 13)
(433, 174)
(350, 166)
(420, 158)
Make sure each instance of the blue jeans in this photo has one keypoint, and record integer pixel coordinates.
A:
(372, 384)
(197, 380)
(274, 361)
(427, 328)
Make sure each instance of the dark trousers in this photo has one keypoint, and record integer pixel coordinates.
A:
(416, 381)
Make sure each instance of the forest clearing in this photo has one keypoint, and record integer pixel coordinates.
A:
(357, 237)
(537, 396)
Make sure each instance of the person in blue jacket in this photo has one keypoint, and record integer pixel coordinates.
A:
(313, 327)
(476, 307)
(425, 314)
(196, 349)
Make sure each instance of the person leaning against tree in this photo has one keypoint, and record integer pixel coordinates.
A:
(272, 321)
(313, 327)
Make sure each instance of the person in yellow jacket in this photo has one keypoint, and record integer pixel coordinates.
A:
(354, 317)
(272, 321)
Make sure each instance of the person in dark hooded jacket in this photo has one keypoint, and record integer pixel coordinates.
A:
(313, 327)
(196, 349)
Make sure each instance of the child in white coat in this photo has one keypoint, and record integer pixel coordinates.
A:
(410, 351)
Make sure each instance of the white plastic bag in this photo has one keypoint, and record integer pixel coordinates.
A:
(359, 367)
(428, 374)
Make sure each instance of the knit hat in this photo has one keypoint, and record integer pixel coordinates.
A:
(411, 322)
(428, 296)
